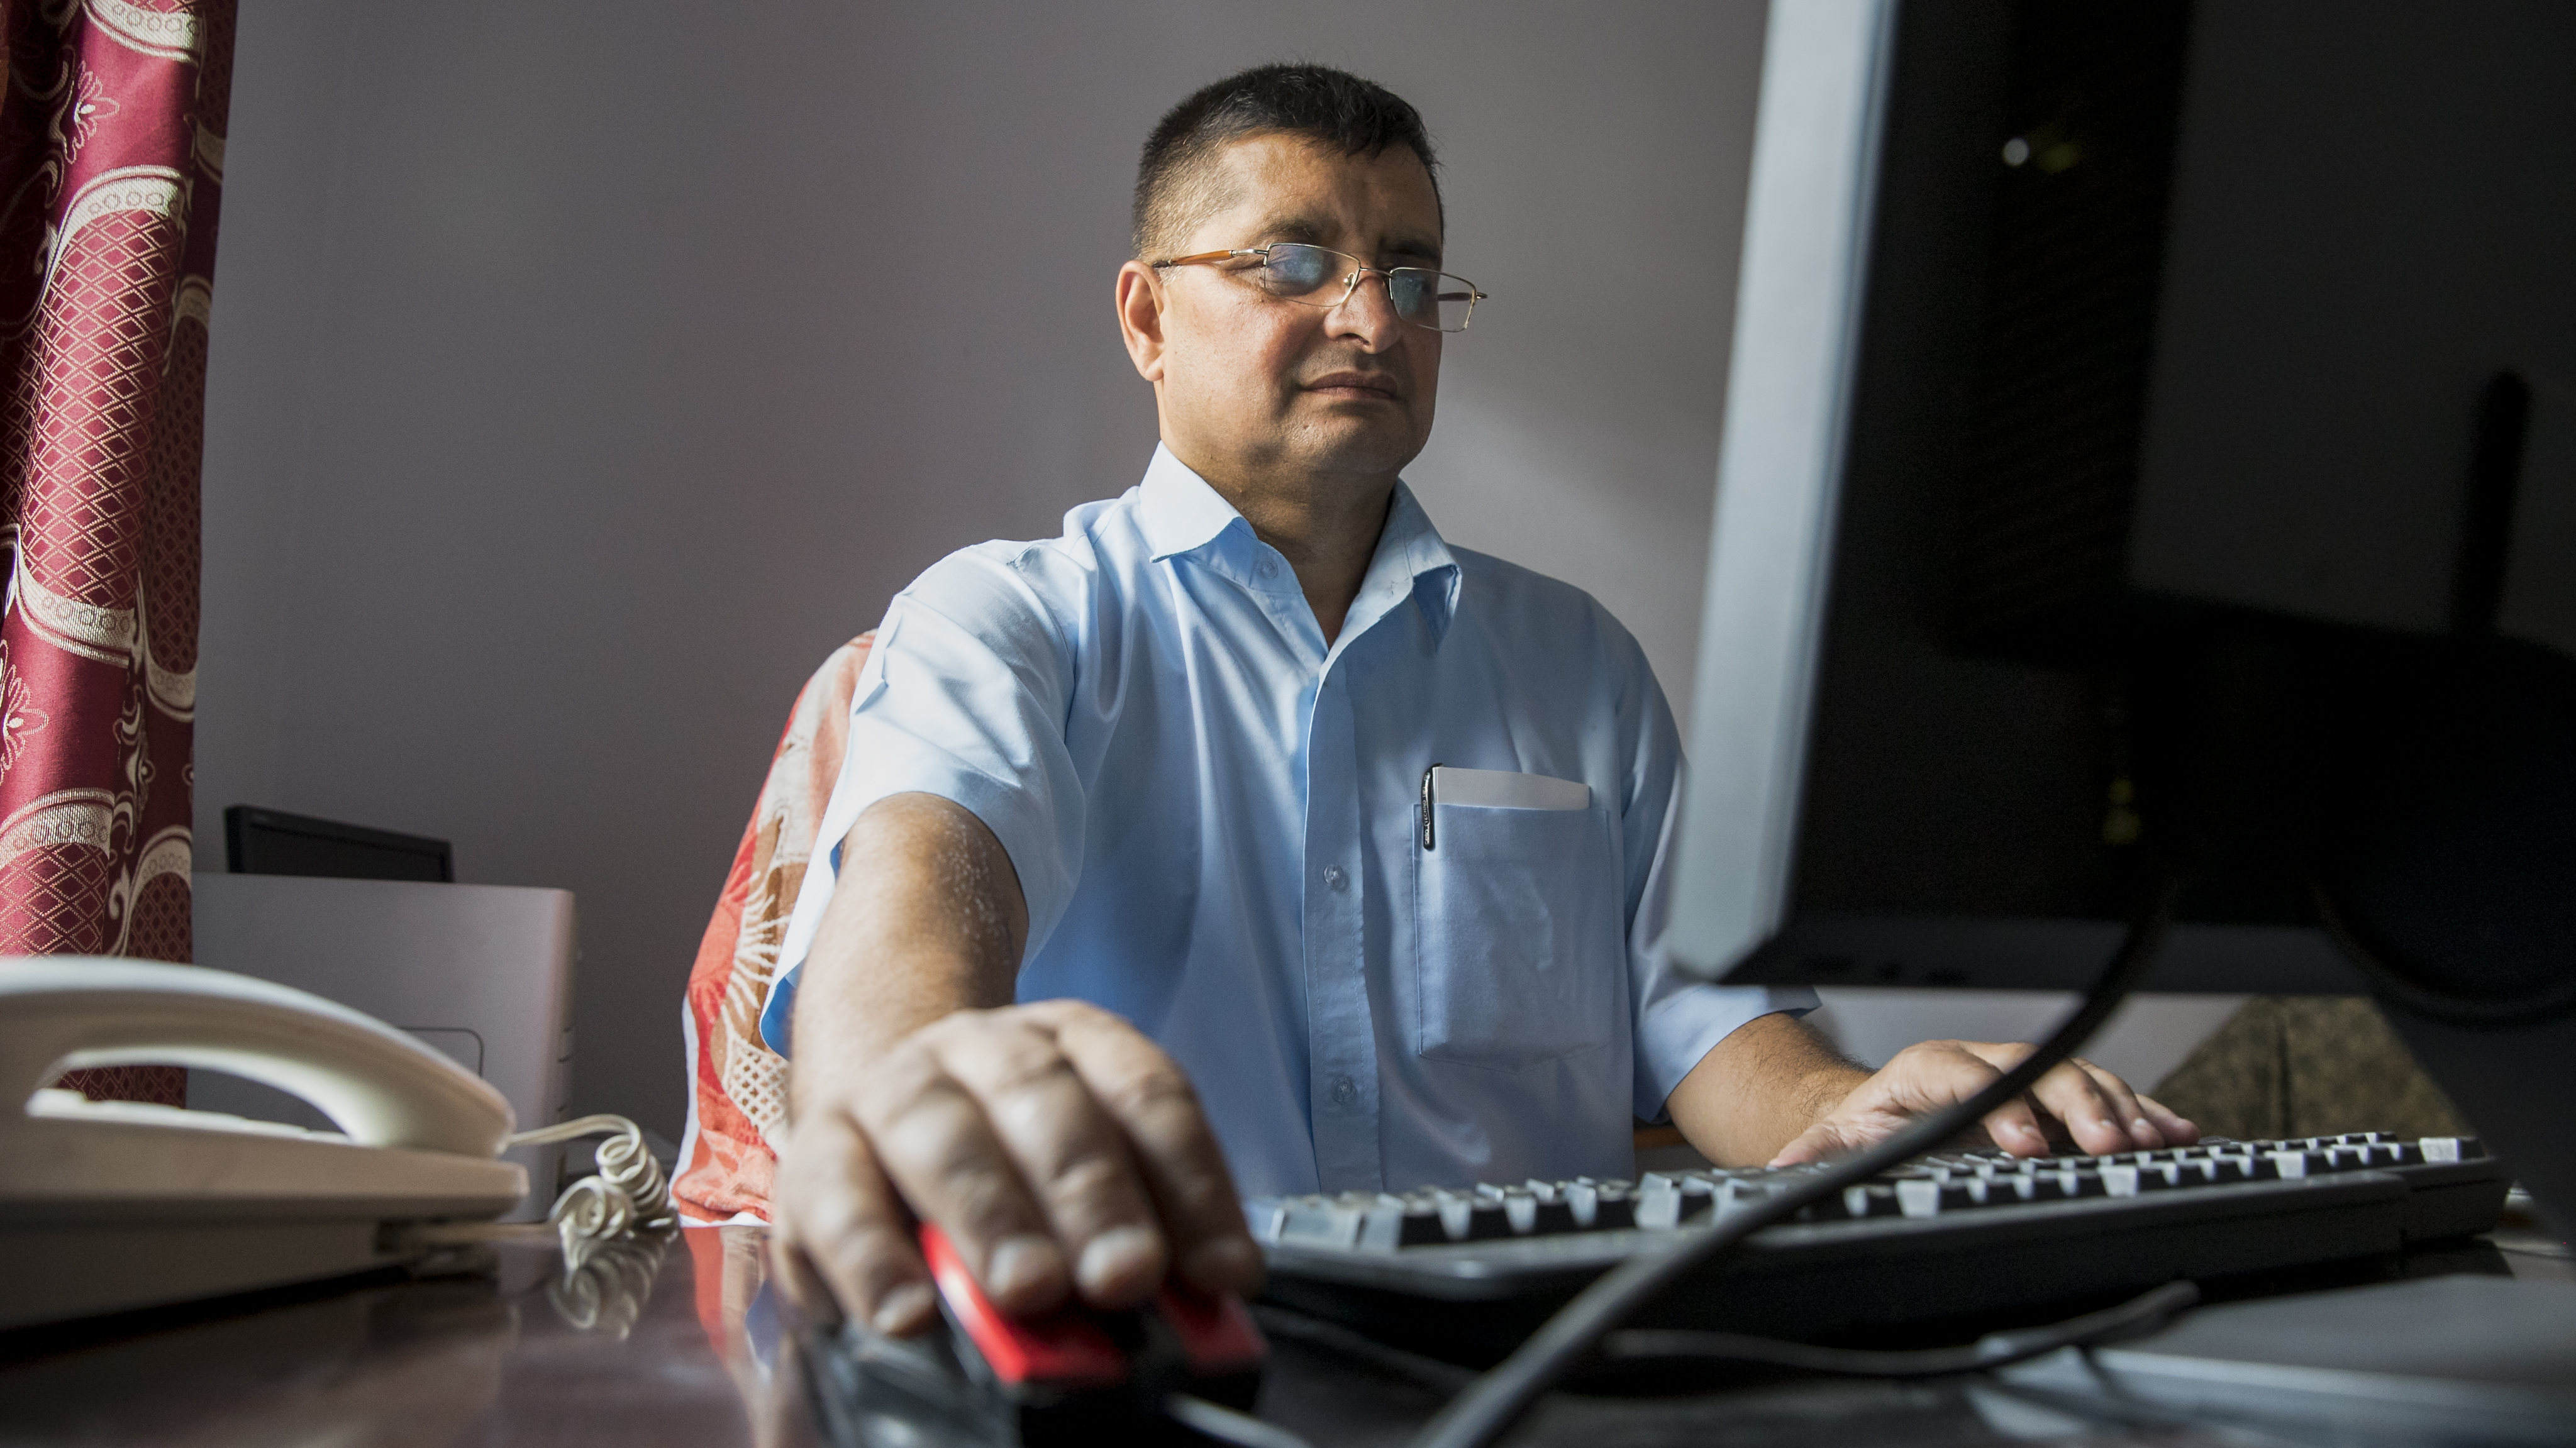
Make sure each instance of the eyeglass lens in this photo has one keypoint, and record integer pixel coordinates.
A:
(1423, 297)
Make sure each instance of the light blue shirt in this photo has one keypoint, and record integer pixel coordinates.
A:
(1216, 819)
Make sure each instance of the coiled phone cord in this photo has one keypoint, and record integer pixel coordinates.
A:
(628, 1197)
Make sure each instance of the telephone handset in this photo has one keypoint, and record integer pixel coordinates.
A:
(108, 1205)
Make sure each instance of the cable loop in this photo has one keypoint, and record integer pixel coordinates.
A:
(629, 1197)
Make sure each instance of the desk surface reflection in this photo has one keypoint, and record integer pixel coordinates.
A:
(686, 1347)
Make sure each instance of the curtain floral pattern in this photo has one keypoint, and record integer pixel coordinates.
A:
(111, 172)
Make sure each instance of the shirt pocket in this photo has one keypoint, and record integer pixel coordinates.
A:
(1518, 943)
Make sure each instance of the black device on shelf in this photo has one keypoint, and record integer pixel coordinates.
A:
(1934, 1250)
(273, 842)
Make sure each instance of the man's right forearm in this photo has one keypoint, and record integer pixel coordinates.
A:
(1056, 1146)
(926, 918)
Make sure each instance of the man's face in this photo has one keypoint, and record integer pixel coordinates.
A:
(1253, 385)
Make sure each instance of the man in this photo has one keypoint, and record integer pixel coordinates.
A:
(1165, 778)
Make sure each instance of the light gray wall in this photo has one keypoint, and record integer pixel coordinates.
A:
(583, 373)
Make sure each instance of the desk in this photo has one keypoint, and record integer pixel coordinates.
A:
(691, 1358)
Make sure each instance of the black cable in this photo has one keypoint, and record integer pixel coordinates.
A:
(1494, 1402)
(1228, 1425)
(1440, 1377)
(1994, 1350)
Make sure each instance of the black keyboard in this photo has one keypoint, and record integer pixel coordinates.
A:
(1952, 1242)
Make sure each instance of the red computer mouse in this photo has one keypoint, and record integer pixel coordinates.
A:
(1074, 1374)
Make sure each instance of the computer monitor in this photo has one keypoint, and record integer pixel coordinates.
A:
(2150, 447)
(273, 842)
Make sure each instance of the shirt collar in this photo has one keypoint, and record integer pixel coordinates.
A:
(1180, 513)
(1411, 559)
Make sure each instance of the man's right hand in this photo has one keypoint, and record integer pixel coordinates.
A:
(1059, 1149)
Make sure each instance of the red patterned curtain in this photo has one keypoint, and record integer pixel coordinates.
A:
(111, 169)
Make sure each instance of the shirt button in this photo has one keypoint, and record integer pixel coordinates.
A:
(1267, 568)
(1345, 1091)
(1336, 877)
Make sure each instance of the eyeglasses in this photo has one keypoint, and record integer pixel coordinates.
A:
(1309, 275)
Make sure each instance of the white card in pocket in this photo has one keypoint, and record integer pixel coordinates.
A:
(1506, 789)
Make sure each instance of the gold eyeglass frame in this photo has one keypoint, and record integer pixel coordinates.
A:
(1350, 279)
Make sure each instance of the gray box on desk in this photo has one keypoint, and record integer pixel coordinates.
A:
(483, 973)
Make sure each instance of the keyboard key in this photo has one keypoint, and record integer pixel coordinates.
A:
(1320, 1222)
(1526, 1214)
(2069, 1185)
(1600, 1206)
(1875, 1199)
(1411, 1220)
(1672, 1199)
(1261, 1216)
(1472, 1219)
(2004, 1189)
(2233, 1167)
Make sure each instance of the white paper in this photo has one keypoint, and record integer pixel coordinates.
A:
(1505, 789)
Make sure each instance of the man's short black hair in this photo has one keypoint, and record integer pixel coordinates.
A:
(1330, 107)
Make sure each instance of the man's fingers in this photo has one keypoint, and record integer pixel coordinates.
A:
(2178, 1130)
(2096, 1107)
(1923, 1078)
(2144, 1132)
(1150, 1100)
(1821, 1142)
(1058, 1148)
(2014, 1127)
(934, 1142)
(842, 1241)
(2099, 1110)
(1944, 1073)
(1071, 1153)
(2070, 1093)
(798, 1278)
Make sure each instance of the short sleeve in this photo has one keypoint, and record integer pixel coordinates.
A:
(964, 697)
(1679, 1020)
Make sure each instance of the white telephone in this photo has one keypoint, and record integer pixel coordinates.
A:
(111, 1205)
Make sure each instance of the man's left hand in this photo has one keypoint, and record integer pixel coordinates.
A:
(2091, 1107)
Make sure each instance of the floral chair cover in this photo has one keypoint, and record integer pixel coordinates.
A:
(737, 1085)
